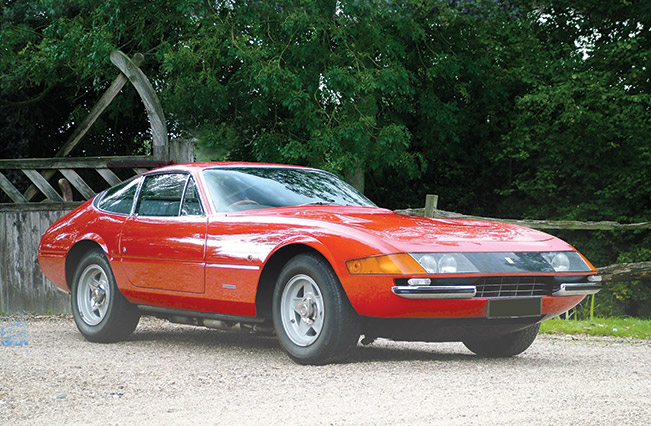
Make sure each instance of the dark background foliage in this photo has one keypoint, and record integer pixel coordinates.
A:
(527, 109)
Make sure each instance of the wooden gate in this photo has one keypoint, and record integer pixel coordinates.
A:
(58, 185)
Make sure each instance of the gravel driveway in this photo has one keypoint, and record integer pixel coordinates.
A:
(173, 374)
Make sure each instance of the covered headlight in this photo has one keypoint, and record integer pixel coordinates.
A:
(566, 261)
(469, 263)
(444, 263)
(561, 263)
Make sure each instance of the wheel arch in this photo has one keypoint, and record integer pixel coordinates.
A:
(75, 255)
(271, 271)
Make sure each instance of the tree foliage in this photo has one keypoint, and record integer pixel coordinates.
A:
(514, 109)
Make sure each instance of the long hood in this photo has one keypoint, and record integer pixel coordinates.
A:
(399, 233)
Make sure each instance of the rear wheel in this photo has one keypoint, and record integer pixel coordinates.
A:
(101, 312)
(503, 346)
(313, 318)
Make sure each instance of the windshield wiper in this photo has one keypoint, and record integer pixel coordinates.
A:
(318, 203)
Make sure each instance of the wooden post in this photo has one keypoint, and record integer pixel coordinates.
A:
(182, 150)
(431, 204)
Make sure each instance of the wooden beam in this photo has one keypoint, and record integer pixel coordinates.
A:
(43, 185)
(38, 207)
(87, 122)
(160, 142)
(79, 163)
(110, 177)
(626, 272)
(77, 181)
(11, 190)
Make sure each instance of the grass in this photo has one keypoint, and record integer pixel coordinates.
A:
(617, 327)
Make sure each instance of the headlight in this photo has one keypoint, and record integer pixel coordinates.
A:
(447, 264)
(560, 261)
(444, 263)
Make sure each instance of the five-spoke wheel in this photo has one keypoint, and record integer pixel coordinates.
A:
(101, 312)
(313, 318)
(93, 294)
(302, 310)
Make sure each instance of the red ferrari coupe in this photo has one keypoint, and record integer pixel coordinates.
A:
(298, 252)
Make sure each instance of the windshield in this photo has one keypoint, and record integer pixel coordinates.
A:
(244, 188)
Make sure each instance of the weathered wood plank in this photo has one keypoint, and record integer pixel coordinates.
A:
(38, 207)
(11, 190)
(4, 283)
(110, 177)
(76, 181)
(43, 185)
(626, 272)
(160, 148)
(79, 163)
(23, 288)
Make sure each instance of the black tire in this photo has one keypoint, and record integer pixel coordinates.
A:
(101, 312)
(312, 316)
(504, 346)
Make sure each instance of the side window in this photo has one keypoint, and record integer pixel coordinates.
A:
(191, 204)
(161, 195)
(119, 199)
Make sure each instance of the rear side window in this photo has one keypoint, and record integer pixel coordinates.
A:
(119, 199)
(191, 204)
(161, 195)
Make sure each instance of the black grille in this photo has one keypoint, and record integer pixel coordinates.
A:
(514, 286)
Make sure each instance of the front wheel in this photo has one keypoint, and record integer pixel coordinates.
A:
(312, 316)
(503, 346)
(101, 312)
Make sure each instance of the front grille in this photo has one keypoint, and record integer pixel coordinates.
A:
(514, 286)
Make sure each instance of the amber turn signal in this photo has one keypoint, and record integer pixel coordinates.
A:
(391, 264)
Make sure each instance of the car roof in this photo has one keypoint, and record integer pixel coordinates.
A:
(225, 164)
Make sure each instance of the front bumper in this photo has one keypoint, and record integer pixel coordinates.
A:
(469, 291)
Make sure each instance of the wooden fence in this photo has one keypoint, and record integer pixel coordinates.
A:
(23, 288)
(35, 192)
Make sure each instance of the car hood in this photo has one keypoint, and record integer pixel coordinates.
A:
(401, 233)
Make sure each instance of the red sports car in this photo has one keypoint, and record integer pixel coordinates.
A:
(298, 252)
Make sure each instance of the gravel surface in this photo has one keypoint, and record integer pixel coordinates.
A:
(174, 374)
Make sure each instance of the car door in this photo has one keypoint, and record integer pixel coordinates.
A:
(163, 244)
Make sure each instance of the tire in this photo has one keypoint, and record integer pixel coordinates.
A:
(503, 346)
(101, 312)
(312, 316)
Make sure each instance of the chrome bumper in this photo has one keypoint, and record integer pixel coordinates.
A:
(469, 291)
(577, 289)
(435, 291)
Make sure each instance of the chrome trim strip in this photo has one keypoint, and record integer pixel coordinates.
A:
(435, 291)
(227, 266)
(577, 289)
